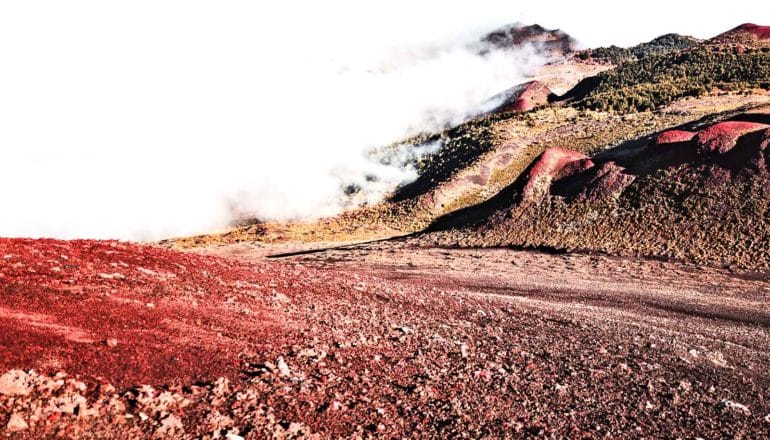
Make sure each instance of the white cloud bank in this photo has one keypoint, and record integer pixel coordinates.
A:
(143, 121)
(147, 119)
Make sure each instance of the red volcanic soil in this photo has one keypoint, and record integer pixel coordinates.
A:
(674, 137)
(761, 32)
(575, 176)
(745, 34)
(385, 341)
(126, 313)
(525, 97)
(722, 137)
(553, 164)
(662, 202)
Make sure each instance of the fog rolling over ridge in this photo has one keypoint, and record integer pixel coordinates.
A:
(354, 109)
(121, 124)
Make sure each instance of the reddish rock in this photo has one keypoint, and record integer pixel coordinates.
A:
(747, 34)
(524, 97)
(553, 164)
(722, 137)
(596, 183)
(552, 42)
(605, 181)
(15, 383)
(674, 137)
(16, 424)
(749, 155)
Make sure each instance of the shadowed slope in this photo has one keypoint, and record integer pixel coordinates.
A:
(693, 194)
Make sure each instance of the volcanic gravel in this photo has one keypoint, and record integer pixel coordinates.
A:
(110, 339)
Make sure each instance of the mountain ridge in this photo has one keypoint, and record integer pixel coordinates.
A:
(671, 85)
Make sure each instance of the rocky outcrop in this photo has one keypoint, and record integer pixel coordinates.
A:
(575, 176)
(594, 183)
(553, 41)
(524, 97)
(761, 32)
(694, 193)
(553, 164)
(674, 137)
(605, 181)
(747, 34)
(722, 137)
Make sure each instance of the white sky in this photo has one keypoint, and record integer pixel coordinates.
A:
(144, 119)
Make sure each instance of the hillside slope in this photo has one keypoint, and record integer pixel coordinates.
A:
(746, 35)
(668, 82)
(700, 193)
(661, 45)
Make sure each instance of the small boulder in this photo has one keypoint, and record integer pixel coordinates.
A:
(15, 383)
(283, 367)
(16, 423)
(729, 405)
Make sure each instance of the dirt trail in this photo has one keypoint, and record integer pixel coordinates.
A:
(712, 302)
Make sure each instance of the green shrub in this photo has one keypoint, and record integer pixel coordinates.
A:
(661, 45)
(657, 80)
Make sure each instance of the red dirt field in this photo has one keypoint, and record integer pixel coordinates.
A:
(380, 340)
(674, 137)
(169, 313)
